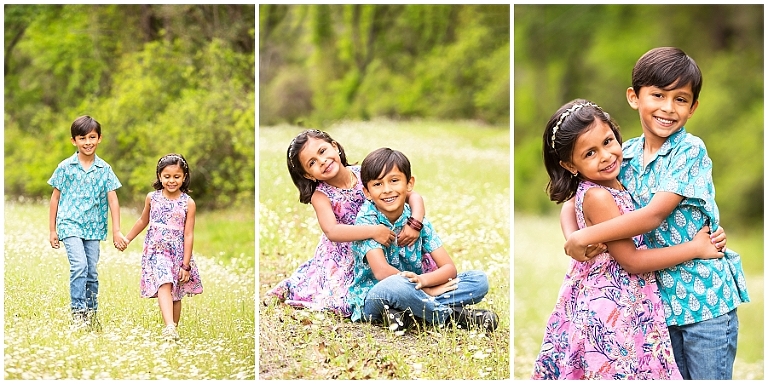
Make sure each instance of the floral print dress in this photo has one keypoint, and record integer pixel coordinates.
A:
(322, 282)
(164, 249)
(607, 323)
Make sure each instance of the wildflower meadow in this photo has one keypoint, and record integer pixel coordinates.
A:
(217, 327)
(462, 171)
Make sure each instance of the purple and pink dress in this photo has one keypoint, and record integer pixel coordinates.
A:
(164, 249)
(607, 323)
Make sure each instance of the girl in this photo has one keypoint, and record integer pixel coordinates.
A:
(318, 167)
(168, 270)
(608, 321)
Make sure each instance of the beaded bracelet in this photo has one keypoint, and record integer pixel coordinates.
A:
(415, 224)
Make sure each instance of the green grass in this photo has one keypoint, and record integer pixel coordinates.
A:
(463, 172)
(540, 265)
(217, 327)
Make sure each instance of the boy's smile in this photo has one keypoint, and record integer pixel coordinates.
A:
(662, 111)
(87, 144)
(389, 193)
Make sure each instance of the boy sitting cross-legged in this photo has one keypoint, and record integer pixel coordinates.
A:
(390, 285)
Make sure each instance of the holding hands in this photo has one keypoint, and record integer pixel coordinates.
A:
(120, 241)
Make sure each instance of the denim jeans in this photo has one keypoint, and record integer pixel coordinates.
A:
(397, 292)
(83, 277)
(706, 350)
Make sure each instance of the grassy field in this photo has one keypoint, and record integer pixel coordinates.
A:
(463, 172)
(540, 265)
(217, 327)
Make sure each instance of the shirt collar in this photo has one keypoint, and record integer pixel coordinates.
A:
(635, 148)
(97, 161)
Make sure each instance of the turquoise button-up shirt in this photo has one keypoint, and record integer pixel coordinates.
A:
(402, 258)
(83, 206)
(695, 290)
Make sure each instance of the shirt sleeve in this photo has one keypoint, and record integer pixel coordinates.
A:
(688, 172)
(112, 182)
(57, 179)
(360, 248)
(430, 239)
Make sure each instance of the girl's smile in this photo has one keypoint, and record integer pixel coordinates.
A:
(596, 155)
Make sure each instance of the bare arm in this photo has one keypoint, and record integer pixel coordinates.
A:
(599, 207)
(343, 233)
(408, 235)
(189, 239)
(624, 226)
(445, 271)
(568, 222)
(53, 210)
(141, 223)
(379, 265)
(114, 209)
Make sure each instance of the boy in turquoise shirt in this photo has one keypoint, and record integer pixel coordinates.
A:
(83, 188)
(390, 283)
(669, 175)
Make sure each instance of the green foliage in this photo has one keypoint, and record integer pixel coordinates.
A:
(185, 85)
(401, 61)
(563, 52)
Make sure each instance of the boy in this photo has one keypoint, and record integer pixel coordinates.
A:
(669, 175)
(389, 283)
(83, 186)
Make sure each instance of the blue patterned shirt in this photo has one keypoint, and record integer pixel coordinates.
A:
(402, 258)
(695, 290)
(83, 206)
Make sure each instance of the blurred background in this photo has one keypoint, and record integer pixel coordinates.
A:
(159, 79)
(563, 52)
(322, 63)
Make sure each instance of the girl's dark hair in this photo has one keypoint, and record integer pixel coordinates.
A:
(84, 125)
(173, 159)
(664, 67)
(380, 162)
(306, 186)
(560, 135)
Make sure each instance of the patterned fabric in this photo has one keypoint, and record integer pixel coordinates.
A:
(164, 249)
(82, 210)
(607, 324)
(403, 258)
(322, 283)
(696, 290)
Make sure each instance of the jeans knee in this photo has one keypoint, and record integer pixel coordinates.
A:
(479, 278)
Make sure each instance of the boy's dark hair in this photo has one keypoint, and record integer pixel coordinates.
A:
(379, 162)
(84, 125)
(173, 159)
(667, 68)
(305, 186)
(560, 135)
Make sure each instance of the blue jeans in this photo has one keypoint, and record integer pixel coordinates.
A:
(706, 350)
(398, 293)
(83, 277)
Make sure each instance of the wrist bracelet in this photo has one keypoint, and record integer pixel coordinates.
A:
(415, 224)
(186, 268)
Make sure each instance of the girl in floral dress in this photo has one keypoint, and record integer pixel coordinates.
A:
(318, 167)
(168, 271)
(608, 322)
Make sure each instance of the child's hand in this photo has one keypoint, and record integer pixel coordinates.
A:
(383, 235)
(718, 238)
(595, 249)
(575, 250)
(54, 239)
(438, 290)
(120, 241)
(407, 236)
(707, 250)
(184, 275)
(413, 278)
